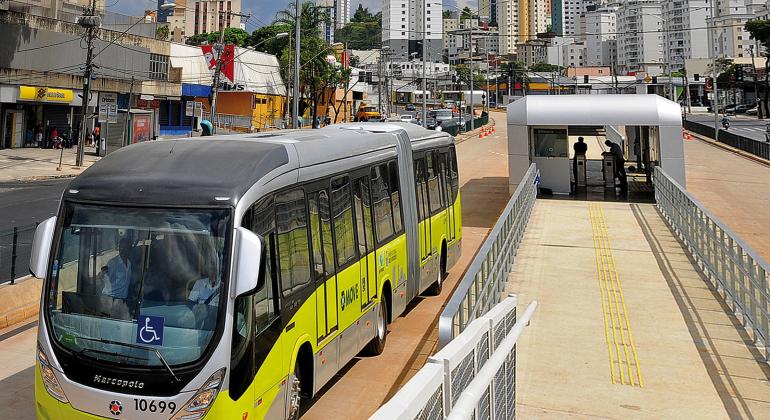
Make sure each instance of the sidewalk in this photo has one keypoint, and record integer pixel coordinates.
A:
(30, 164)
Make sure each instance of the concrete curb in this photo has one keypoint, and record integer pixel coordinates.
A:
(729, 148)
(19, 301)
(44, 177)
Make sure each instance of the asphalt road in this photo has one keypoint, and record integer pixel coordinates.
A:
(749, 127)
(23, 204)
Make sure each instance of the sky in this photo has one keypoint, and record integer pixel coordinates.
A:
(263, 11)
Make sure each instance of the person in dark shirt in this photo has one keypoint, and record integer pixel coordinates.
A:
(620, 165)
(580, 149)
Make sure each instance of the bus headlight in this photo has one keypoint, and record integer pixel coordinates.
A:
(49, 378)
(200, 403)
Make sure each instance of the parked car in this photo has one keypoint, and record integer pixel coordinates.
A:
(752, 111)
(741, 109)
(410, 107)
(406, 118)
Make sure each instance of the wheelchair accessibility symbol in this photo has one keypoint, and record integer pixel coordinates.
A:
(149, 330)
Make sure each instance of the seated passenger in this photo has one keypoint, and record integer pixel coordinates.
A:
(117, 273)
(206, 289)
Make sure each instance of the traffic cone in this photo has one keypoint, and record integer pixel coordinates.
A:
(493, 128)
(481, 133)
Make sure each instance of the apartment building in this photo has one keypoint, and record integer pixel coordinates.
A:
(640, 37)
(729, 38)
(533, 52)
(598, 28)
(684, 22)
(406, 24)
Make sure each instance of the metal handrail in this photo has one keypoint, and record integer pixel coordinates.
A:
(731, 263)
(466, 406)
(482, 285)
(475, 373)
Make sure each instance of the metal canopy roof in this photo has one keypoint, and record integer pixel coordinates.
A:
(651, 110)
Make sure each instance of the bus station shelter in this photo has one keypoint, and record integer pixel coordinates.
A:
(542, 130)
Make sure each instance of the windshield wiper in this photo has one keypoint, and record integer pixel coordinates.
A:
(134, 346)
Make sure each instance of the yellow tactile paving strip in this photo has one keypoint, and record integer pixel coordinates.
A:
(623, 360)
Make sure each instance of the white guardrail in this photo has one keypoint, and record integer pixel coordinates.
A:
(734, 267)
(483, 284)
(474, 376)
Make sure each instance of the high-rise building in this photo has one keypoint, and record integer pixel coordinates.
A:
(341, 13)
(598, 28)
(729, 39)
(488, 11)
(684, 22)
(406, 24)
(557, 17)
(571, 10)
(640, 37)
(508, 26)
(213, 15)
(327, 28)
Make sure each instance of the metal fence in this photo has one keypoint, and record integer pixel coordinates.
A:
(234, 122)
(474, 376)
(737, 271)
(482, 286)
(757, 148)
(15, 248)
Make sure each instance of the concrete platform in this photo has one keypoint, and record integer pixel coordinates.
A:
(688, 358)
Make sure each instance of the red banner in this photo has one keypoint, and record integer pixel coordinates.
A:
(228, 60)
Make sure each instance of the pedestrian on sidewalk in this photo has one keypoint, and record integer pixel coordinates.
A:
(52, 137)
(39, 135)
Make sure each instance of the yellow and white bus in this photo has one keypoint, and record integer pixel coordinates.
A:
(232, 277)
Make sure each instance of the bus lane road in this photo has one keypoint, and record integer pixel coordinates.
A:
(366, 382)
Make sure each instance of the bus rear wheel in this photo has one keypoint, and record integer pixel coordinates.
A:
(377, 345)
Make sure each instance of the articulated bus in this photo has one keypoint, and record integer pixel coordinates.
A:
(232, 277)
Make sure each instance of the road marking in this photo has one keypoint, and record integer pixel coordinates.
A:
(624, 362)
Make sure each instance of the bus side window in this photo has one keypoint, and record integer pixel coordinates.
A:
(266, 302)
(293, 252)
(395, 195)
(433, 185)
(383, 210)
(446, 188)
(363, 214)
(326, 233)
(342, 212)
(419, 179)
(315, 236)
(453, 173)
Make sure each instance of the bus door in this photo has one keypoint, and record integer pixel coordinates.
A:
(323, 263)
(447, 192)
(423, 208)
(364, 234)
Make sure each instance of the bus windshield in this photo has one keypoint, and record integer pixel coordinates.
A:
(138, 286)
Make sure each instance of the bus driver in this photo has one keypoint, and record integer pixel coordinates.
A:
(117, 273)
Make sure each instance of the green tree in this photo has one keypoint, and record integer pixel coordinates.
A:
(235, 36)
(466, 13)
(362, 35)
(354, 61)
(760, 30)
(544, 68)
(446, 14)
(264, 39)
(362, 14)
(313, 50)
(197, 39)
(162, 33)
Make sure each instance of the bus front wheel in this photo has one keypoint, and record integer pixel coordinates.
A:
(295, 394)
(377, 345)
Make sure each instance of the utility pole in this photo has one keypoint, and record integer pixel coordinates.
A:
(424, 83)
(219, 47)
(715, 102)
(295, 100)
(128, 113)
(288, 87)
(756, 85)
(89, 21)
(379, 82)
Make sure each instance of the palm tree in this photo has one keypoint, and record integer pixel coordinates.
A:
(313, 49)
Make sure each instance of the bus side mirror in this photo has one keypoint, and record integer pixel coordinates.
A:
(249, 263)
(41, 247)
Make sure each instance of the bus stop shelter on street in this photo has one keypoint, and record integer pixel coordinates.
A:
(542, 129)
